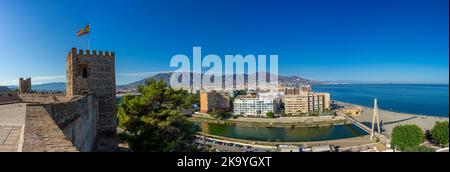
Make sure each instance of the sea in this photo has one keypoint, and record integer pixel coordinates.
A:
(420, 99)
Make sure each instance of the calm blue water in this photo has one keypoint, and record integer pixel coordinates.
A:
(283, 134)
(431, 100)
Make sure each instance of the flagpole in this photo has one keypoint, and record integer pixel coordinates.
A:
(89, 40)
(89, 37)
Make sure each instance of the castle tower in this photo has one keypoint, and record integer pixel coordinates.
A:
(375, 118)
(25, 85)
(95, 73)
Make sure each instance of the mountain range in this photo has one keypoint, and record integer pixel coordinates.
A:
(288, 80)
(46, 87)
(4, 89)
(61, 86)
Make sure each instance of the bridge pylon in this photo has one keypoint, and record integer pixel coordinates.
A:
(375, 118)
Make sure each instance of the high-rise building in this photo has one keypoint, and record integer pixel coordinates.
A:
(297, 90)
(214, 100)
(306, 103)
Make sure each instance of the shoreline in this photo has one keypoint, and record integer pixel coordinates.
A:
(392, 111)
(390, 119)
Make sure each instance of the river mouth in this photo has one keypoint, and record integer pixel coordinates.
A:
(282, 134)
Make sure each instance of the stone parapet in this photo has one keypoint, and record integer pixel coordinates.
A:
(48, 127)
(42, 97)
(6, 98)
(42, 134)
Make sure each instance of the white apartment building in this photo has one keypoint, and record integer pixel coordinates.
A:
(253, 105)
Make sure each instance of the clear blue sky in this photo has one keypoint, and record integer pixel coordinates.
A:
(399, 41)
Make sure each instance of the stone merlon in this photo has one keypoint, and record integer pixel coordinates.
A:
(93, 53)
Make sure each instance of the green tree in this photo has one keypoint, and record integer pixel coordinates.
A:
(220, 114)
(406, 136)
(190, 100)
(270, 115)
(153, 122)
(419, 149)
(240, 92)
(439, 133)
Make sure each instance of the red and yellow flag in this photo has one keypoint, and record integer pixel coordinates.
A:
(84, 31)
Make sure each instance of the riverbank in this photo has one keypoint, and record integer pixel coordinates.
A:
(347, 142)
(292, 122)
(390, 119)
(336, 129)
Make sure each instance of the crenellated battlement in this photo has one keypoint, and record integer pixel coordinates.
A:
(92, 54)
(46, 93)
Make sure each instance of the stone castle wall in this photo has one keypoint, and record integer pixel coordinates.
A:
(78, 120)
(63, 126)
(42, 134)
(83, 119)
(95, 73)
(42, 97)
(9, 98)
(12, 97)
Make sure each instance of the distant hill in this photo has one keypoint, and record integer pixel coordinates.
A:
(61, 86)
(4, 89)
(296, 80)
(55, 86)
(288, 80)
(46, 87)
(159, 76)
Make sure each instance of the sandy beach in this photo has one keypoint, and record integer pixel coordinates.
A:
(391, 119)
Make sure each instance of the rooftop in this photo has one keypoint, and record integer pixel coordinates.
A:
(248, 96)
